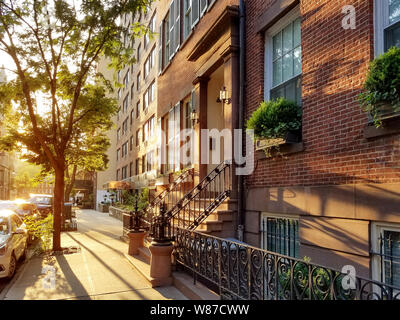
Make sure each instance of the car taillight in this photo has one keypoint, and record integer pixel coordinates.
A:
(3, 249)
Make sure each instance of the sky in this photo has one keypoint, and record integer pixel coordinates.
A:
(7, 62)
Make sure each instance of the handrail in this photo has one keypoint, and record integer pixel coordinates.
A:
(181, 213)
(148, 215)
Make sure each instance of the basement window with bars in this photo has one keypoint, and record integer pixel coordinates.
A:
(280, 234)
(386, 251)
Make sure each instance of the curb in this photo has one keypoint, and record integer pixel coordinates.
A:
(17, 275)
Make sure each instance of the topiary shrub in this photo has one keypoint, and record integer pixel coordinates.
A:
(382, 86)
(274, 118)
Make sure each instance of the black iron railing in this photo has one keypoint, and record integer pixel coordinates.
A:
(196, 205)
(171, 195)
(240, 271)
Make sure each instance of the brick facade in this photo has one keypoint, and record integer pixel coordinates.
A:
(340, 180)
(334, 62)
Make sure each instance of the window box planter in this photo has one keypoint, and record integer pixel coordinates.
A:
(289, 138)
(268, 148)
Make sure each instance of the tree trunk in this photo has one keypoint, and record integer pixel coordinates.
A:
(70, 184)
(58, 207)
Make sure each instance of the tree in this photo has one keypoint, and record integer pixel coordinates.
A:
(55, 45)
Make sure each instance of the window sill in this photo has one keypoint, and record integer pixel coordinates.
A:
(269, 148)
(284, 149)
(390, 126)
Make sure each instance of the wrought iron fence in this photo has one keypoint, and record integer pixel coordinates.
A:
(244, 272)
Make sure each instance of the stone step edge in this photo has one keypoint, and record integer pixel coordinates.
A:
(184, 283)
(143, 268)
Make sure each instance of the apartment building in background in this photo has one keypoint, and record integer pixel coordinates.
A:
(136, 141)
(7, 170)
(102, 178)
(334, 196)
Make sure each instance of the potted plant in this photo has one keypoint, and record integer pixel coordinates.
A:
(381, 95)
(275, 122)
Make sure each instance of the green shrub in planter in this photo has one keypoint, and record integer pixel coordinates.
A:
(382, 86)
(274, 118)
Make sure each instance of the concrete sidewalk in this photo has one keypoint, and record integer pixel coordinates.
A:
(97, 271)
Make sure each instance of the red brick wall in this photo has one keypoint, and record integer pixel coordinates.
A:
(335, 62)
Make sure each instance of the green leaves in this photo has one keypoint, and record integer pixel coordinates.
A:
(382, 86)
(273, 119)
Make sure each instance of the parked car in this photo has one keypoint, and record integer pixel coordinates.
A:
(44, 202)
(21, 207)
(13, 242)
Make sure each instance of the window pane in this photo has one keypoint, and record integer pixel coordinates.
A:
(277, 93)
(297, 61)
(277, 78)
(394, 11)
(287, 67)
(296, 33)
(277, 44)
(298, 91)
(391, 260)
(287, 38)
(290, 91)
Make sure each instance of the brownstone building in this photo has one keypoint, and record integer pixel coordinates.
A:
(334, 196)
(198, 57)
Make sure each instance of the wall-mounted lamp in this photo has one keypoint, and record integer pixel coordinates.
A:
(224, 96)
(194, 116)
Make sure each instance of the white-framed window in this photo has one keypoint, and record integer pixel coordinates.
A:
(125, 104)
(173, 138)
(385, 244)
(187, 19)
(138, 81)
(152, 24)
(148, 96)
(283, 58)
(203, 7)
(280, 234)
(138, 52)
(195, 12)
(125, 126)
(149, 63)
(386, 24)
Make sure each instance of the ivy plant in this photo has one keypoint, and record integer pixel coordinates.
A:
(274, 118)
(382, 85)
